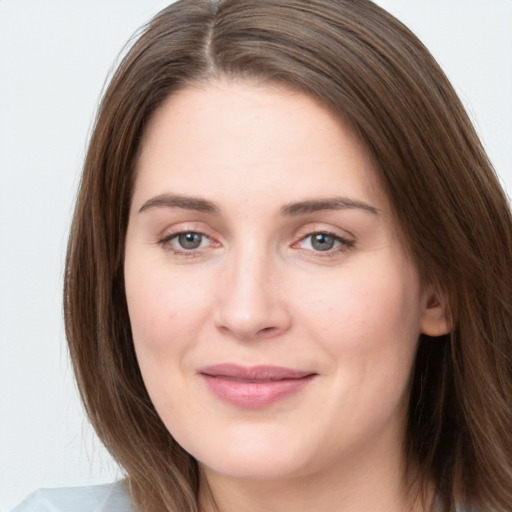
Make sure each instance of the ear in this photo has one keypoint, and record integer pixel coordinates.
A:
(435, 317)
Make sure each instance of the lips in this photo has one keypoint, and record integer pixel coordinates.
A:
(254, 387)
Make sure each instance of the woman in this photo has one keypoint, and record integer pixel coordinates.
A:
(288, 279)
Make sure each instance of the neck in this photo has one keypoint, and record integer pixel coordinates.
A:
(347, 487)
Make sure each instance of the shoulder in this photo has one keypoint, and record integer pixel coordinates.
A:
(97, 498)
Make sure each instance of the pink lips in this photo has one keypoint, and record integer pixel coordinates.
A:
(253, 387)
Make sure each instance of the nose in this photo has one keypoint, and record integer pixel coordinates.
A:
(252, 304)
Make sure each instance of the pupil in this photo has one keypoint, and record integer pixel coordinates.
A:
(190, 240)
(322, 242)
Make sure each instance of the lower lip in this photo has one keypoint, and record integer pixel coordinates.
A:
(254, 394)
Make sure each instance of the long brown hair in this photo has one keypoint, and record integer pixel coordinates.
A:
(364, 65)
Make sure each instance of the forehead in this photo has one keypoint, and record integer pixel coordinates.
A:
(268, 140)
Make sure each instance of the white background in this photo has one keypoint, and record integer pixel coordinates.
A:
(54, 57)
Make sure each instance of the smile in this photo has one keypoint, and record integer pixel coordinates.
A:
(254, 387)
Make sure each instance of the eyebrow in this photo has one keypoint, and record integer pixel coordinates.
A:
(177, 201)
(291, 209)
(332, 203)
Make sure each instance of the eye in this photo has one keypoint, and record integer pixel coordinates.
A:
(186, 242)
(189, 241)
(324, 242)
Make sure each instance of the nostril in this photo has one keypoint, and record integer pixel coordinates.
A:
(267, 331)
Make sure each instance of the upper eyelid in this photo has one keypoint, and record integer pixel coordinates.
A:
(312, 228)
(300, 233)
(167, 243)
(169, 236)
(339, 238)
(185, 227)
(343, 244)
(336, 236)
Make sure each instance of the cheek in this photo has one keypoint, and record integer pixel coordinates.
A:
(164, 312)
(357, 303)
(164, 307)
(368, 323)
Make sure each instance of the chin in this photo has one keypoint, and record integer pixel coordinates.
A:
(253, 455)
(257, 468)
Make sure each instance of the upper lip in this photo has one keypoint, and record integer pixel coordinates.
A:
(260, 373)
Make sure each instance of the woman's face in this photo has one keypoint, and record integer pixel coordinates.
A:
(275, 313)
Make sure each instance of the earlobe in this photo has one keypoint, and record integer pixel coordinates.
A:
(435, 318)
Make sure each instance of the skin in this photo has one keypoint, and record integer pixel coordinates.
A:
(257, 290)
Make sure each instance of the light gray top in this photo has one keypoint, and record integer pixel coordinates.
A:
(95, 498)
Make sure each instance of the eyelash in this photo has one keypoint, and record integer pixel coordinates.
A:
(344, 244)
(166, 243)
